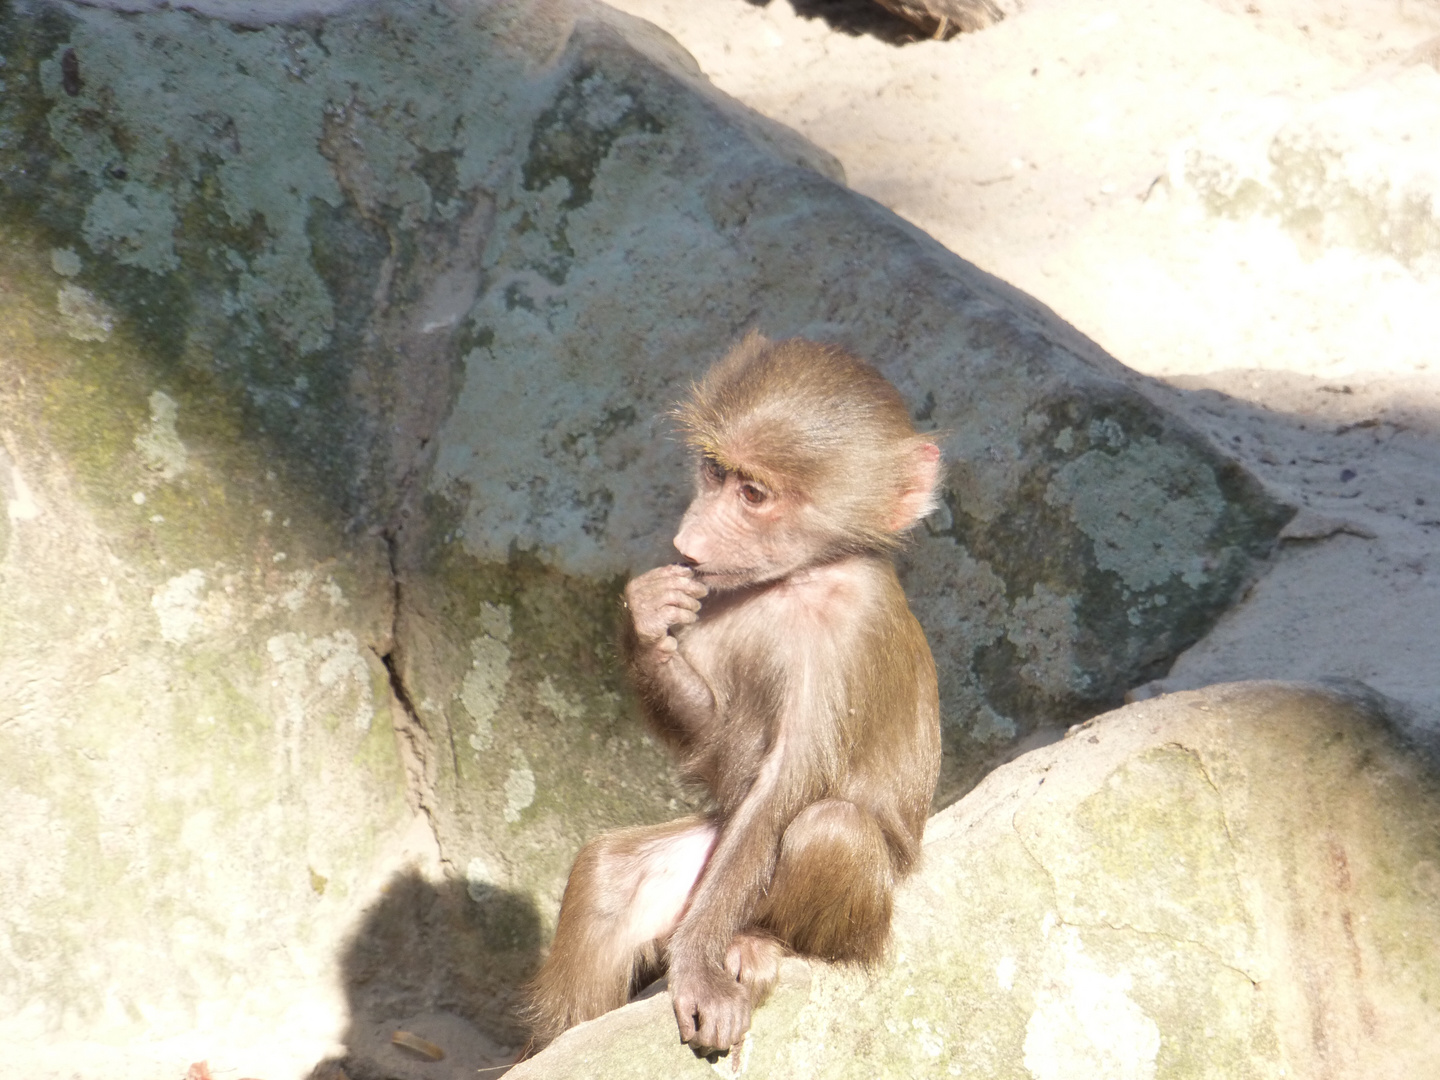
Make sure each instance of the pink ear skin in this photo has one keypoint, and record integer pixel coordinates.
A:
(920, 496)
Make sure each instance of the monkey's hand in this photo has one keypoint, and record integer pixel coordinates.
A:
(659, 599)
(712, 1007)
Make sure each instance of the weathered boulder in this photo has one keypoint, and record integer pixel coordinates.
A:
(333, 339)
(1238, 882)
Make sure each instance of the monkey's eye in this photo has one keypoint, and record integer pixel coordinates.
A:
(753, 493)
(713, 471)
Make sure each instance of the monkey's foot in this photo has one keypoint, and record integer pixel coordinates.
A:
(753, 960)
(711, 1007)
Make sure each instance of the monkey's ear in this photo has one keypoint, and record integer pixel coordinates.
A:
(922, 481)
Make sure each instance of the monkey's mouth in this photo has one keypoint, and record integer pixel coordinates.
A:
(719, 578)
(729, 580)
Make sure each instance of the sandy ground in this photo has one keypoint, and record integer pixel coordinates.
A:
(1040, 148)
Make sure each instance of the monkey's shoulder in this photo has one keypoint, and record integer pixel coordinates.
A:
(857, 584)
(820, 611)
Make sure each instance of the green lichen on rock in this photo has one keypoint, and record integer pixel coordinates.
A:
(232, 244)
(1115, 543)
(1311, 193)
(576, 133)
(201, 632)
(1159, 803)
(568, 143)
(201, 676)
(539, 744)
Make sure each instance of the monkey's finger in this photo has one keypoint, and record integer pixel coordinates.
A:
(686, 587)
(693, 586)
(651, 626)
(722, 1028)
(658, 593)
(670, 572)
(683, 577)
(731, 1028)
(685, 1017)
(704, 1032)
(662, 577)
(655, 613)
(687, 604)
(677, 597)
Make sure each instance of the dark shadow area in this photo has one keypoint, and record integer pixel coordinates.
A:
(856, 18)
(443, 962)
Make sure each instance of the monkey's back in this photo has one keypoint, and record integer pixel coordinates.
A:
(894, 730)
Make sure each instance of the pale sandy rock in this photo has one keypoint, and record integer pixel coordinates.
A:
(1242, 881)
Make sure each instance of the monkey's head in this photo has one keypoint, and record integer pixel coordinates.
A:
(805, 454)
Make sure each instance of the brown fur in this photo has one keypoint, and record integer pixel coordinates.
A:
(801, 694)
(803, 418)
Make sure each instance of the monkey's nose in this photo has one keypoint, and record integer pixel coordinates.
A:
(685, 544)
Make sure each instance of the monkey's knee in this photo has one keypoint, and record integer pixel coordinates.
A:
(831, 893)
(625, 891)
(588, 971)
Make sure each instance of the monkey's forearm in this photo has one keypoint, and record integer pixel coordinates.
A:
(696, 950)
(736, 876)
(679, 701)
(660, 600)
(712, 1002)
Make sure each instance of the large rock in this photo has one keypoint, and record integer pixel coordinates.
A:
(1238, 882)
(332, 352)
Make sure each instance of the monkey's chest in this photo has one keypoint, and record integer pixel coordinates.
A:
(749, 677)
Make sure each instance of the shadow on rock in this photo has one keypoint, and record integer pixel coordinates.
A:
(442, 963)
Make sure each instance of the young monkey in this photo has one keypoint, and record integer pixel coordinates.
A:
(781, 663)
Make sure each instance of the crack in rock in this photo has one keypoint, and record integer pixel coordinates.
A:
(416, 748)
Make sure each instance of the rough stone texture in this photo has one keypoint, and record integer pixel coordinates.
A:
(1237, 882)
(332, 351)
(195, 701)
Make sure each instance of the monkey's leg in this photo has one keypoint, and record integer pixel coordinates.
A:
(626, 891)
(831, 893)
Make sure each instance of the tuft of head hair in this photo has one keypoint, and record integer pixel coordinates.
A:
(820, 428)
